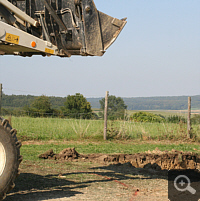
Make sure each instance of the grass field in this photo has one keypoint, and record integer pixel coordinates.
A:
(66, 180)
(71, 129)
(87, 136)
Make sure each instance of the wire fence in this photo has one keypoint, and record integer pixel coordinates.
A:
(125, 115)
(75, 129)
(61, 114)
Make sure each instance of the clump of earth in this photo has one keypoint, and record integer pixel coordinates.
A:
(157, 160)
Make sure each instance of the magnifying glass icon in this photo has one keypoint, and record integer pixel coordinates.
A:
(182, 183)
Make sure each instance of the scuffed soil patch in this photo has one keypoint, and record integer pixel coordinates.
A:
(158, 160)
(56, 180)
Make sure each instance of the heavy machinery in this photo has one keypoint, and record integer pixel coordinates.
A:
(48, 27)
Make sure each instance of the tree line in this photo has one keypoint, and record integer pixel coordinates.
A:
(77, 106)
(74, 106)
(140, 103)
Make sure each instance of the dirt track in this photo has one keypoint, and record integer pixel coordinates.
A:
(72, 176)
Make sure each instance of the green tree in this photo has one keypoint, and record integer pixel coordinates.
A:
(116, 107)
(40, 107)
(42, 103)
(76, 106)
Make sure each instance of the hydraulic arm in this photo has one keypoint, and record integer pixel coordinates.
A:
(56, 27)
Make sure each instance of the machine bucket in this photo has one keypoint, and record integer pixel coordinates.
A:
(101, 30)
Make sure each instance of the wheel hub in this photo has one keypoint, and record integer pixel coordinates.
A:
(2, 158)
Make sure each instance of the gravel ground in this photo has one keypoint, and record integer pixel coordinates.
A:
(79, 181)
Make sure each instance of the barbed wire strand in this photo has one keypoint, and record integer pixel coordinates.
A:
(56, 95)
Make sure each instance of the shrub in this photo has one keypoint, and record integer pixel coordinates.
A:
(147, 117)
(195, 119)
(176, 119)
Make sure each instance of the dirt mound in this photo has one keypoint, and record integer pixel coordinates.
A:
(48, 155)
(65, 154)
(156, 159)
(68, 153)
(165, 160)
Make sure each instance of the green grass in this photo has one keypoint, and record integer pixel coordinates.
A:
(45, 129)
(55, 128)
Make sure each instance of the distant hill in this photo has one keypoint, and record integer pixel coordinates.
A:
(162, 103)
(155, 103)
(142, 103)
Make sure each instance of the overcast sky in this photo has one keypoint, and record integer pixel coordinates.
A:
(157, 54)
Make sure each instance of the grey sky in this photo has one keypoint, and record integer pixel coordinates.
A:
(157, 54)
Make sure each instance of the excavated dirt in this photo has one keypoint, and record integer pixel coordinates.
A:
(157, 160)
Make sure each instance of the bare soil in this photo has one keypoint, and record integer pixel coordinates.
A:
(69, 175)
(158, 160)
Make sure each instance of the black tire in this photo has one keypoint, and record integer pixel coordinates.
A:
(9, 157)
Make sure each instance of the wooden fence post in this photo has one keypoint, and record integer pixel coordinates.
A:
(189, 118)
(106, 115)
(0, 97)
